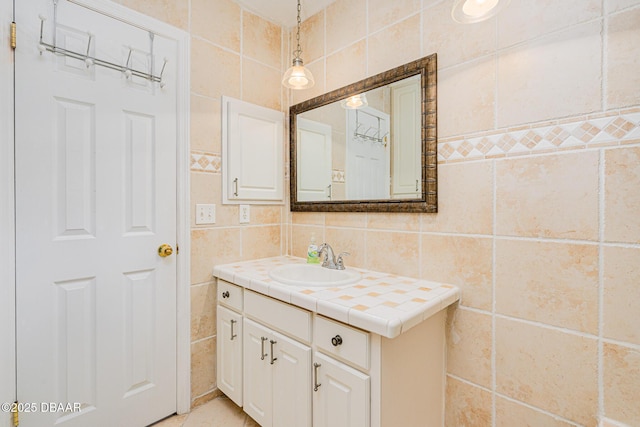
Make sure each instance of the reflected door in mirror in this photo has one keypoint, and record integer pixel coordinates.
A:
(314, 152)
(367, 173)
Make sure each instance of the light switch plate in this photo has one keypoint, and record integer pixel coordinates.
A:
(205, 214)
(245, 214)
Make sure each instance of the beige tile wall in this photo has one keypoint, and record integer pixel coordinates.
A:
(539, 200)
(546, 247)
(238, 54)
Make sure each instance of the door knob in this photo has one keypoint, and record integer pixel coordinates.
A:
(165, 250)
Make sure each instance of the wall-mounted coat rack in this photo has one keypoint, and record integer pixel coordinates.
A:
(371, 133)
(126, 69)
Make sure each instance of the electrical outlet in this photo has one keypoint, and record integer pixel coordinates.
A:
(205, 214)
(245, 214)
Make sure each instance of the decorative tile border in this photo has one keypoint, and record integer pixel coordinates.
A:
(337, 175)
(571, 134)
(607, 129)
(206, 162)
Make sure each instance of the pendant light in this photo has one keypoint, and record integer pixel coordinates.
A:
(298, 77)
(471, 11)
(355, 102)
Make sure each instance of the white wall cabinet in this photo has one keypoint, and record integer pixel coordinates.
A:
(252, 153)
(355, 379)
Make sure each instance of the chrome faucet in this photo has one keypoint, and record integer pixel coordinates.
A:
(330, 260)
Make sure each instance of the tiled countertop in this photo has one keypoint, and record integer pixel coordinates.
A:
(385, 304)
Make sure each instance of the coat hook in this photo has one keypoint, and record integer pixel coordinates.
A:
(87, 59)
(127, 70)
(41, 46)
(163, 84)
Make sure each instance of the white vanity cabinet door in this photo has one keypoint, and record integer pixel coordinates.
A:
(277, 378)
(229, 360)
(257, 380)
(291, 383)
(343, 396)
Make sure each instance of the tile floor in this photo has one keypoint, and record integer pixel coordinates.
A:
(219, 412)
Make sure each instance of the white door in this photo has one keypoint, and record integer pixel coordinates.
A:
(229, 360)
(314, 160)
(257, 376)
(7, 261)
(291, 383)
(95, 198)
(343, 397)
(406, 139)
(367, 174)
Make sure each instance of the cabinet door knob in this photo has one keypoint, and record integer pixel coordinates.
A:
(336, 341)
(225, 294)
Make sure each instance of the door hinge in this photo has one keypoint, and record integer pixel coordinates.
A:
(13, 35)
(16, 415)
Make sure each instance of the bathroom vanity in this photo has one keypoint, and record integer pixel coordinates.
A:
(368, 353)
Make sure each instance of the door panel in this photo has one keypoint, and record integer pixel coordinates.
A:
(75, 329)
(139, 172)
(257, 375)
(139, 328)
(229, 358)
(291, 383)
(252, 152)
(314, 155)
(75, 178)
(406, 137)
(367, 160)
(96, 196)
(343, 398)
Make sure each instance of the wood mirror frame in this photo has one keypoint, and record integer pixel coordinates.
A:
(426, 67)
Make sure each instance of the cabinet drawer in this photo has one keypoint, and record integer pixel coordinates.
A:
(230, 295)
(343, 341)
(285, 318)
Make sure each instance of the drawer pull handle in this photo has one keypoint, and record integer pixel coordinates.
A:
(273, 359)
(315, 376)
(262, 353)
(336, 341)
(232, 334)
(225, 294)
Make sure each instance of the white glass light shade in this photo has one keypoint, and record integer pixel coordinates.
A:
(354, 102)
(470, 11)
(298, 77)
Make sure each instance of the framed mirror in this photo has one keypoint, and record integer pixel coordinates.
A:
(368, 147)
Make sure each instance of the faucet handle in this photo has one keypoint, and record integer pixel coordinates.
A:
(340, 261)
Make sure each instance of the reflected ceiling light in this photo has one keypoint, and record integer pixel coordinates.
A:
(470, 11)
(298, 77)
(354, 102)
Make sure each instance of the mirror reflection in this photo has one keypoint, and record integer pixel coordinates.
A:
(364, 147)
(369, 146)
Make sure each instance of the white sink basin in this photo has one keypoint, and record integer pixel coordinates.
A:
(306, 275)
